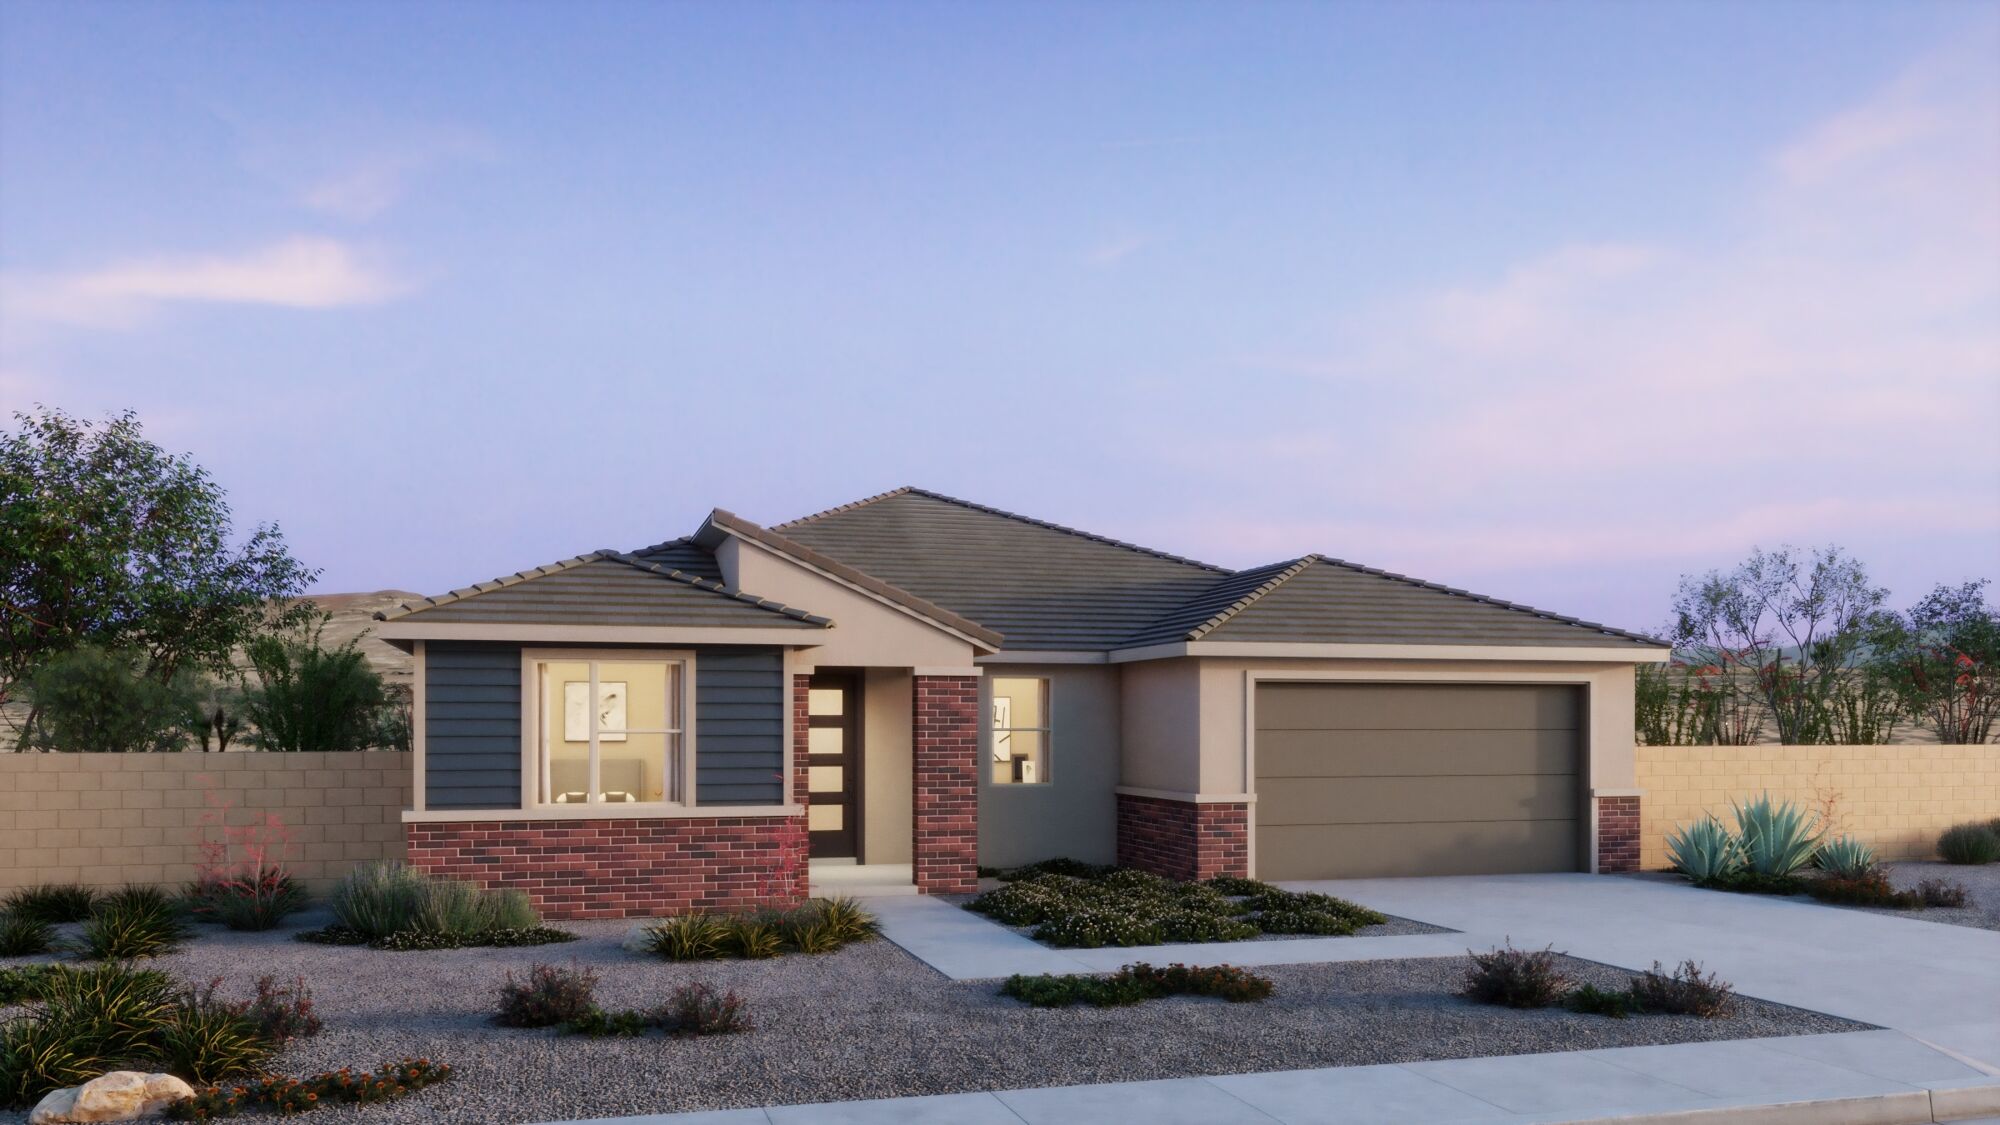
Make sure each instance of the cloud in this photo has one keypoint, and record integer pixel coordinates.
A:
(1813, 370)
(298, 273)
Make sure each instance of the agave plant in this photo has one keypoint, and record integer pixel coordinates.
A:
(1778, 837)
(1846, 857)
(1704, 851)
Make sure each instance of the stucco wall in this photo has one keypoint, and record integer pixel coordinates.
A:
(1897, 798)
(1160, 704)
(1076, 813)
(885, 773)
(865, 632)
(105, 820)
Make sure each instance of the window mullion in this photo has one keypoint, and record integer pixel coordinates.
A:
(596, 794)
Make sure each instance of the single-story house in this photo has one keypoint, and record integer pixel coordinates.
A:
(927, 686)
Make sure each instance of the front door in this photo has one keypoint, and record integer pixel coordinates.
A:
(833, 765)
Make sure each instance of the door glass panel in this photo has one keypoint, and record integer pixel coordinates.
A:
(826, 740)
(826, 701)
(825, 779)
(826, 818)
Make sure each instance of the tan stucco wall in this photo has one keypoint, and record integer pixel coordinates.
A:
(106, 820)
(1225, 696)
(866, 632)
(1160, 719)
(886, 777)
(1897, 798)
(1075, 813)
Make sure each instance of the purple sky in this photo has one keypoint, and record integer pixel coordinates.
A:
(1552, 301)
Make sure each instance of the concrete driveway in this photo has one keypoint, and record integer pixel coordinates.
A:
(1939, 984)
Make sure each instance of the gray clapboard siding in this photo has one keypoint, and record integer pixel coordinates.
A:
(472, 733)
(472, 726)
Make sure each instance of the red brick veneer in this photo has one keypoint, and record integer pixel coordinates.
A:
(623, 868)
(944, 726)
(1183, 840)
(1617, 834)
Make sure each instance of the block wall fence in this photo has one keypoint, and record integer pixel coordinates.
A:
(105, 820)
(1897, 798)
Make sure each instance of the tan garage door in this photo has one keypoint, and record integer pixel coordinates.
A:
(1359, 780)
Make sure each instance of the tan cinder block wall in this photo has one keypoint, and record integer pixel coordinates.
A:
(1897, 798)
(106, 820)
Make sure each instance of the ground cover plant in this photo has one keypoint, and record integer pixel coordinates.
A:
(1534, 978)
(1137, 983)
(24, 937)
(51, 903)
(390, 905)
(1078, 905)
(132, 922)
(565, 999)
(297, 1095)
(22, 984)
(818, 926)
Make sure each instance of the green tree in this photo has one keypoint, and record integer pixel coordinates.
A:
(1942, 659)
(1792, 626)
(108, 540)
(91, 700)
(309, 697)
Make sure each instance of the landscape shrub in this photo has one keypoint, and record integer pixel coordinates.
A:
(1973, 843)
(550, 995)
(1125, 907)
(1591, 1000)
(598, 1024)
(1515, 978)
(24, 937)
(205, 1040)
(391, 905)
(697, 1009)
(1061, 865)
(1777, 837)
(311, 698)
(1137, 983)
(1870, 889)
(1747, 882)
(283, 1012)
(90, 1021)
(23, 984)
(818, 926)
(1846, 857)
(37, 1056)
(133, 922)
(256, 899)
(1941, 892)
(50, 902)
(1686, 991)
(297, 1095)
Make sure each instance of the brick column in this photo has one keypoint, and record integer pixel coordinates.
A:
(801, 839)
(1182, 839)
(944, 735)
(1617, 834)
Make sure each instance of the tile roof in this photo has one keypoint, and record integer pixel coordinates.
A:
(669, 584)
(1041, 585)
(1321, 600)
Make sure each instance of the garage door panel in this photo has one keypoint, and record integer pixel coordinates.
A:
(1415, 800)
(1311, 706)
(1304, 753)
(1394, 850)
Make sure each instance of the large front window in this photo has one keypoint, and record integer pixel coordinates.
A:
(611, 731)
(1020, 730)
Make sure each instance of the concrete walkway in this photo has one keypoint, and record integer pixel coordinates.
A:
(1860, 1078)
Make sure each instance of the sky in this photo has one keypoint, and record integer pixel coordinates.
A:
(1554, 301)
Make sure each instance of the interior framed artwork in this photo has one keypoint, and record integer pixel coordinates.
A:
(610, 711)
(1003, 738)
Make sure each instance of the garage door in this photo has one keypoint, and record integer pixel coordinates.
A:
(1361, 780)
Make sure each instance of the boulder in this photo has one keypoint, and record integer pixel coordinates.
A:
(122, 1095)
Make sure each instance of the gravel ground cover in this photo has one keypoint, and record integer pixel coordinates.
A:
(1982, 892)
(871, 1021)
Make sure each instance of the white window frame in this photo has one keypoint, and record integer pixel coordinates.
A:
(1047, 730)
(532, 727)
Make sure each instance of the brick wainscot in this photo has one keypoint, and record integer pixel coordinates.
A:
(1617, 834)
(1182, 839)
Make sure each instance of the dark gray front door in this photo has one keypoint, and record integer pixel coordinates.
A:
(833, 765)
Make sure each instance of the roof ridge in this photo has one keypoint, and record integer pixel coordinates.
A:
(1493, 601)
(1290, 571)
(714, 587)
(847, 507)
(487, 586)
(1031, 521)
(661, 545)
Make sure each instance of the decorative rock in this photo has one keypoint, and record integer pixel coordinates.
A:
(122, 1095)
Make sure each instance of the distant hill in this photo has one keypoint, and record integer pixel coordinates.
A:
(354, 617)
